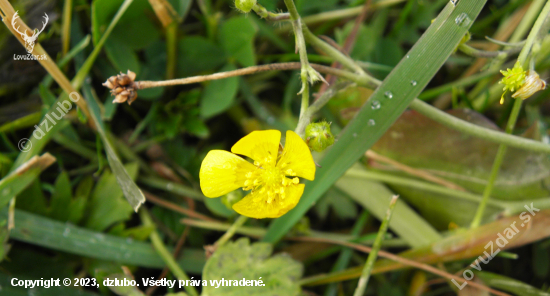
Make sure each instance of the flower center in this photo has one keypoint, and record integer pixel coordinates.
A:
(270, 182)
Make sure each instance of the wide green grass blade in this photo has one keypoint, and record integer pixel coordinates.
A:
(37, 230)
(375, 197)
(404, 83)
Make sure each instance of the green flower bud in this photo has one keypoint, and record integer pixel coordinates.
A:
(318, 136)
(245, 5)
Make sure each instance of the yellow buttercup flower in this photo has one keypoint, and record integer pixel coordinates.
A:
(273, 178)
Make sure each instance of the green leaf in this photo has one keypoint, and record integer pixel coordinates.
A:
(340, 203)
(219, 95)
(197, 54)
(133, 30)
(62, 205)
(239, 260)
(48, 233)
(405, 82)
(236, 37)
(122, 57)
(464, 160)
(106, 205)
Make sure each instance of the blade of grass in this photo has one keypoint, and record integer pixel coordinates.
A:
(367, 269)
(23, 176)
(131, 191)
(375, 197)
(48, 233)
(405, 82)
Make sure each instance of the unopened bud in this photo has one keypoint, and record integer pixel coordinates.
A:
(245, 5)
(318, 136)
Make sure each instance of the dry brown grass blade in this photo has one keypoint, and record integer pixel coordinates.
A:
(7, 15)
(164, 11)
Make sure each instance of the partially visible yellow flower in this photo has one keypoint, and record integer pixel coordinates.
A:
(513, 79)
(273, 178)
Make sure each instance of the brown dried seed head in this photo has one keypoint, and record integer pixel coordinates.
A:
(132, 97)
(132, 75)
(123, 79)
(120, 99)
(118, 90)
(108, 84)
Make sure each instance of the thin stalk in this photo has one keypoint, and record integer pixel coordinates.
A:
(231, 231)
(478, 53)
(478, 131)
(522, 59)
(496, 166)
(165, 254)
(66, 26)
(367, 269)
(245, 71)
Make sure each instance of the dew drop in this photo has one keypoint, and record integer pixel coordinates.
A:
(169, 186)
(6, 191)
(355, 135)
(375, 105)
(66, 232)
(371, 122)
(388, 95)
(408, 56)
(463, 20)
(413, 82)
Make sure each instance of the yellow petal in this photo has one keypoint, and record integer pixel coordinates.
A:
(222, 172)
(261, 146)
(255, 204)
(297, 157)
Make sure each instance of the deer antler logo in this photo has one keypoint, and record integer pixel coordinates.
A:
(29, 40)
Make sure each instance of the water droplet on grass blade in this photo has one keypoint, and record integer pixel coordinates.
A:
(371, 122)
(355, 135)
(463, 20)
(388, 95)
(413, 82)
(375, 105)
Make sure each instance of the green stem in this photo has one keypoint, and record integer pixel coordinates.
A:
(496, 166)
(231, 231)
(522, 59)
(266, 14)
(165, 254)
(367, 269)
(307, 73)
(478, 131)
(332, 52)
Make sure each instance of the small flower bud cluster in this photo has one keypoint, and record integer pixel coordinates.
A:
(318, 136)
(122, 86)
